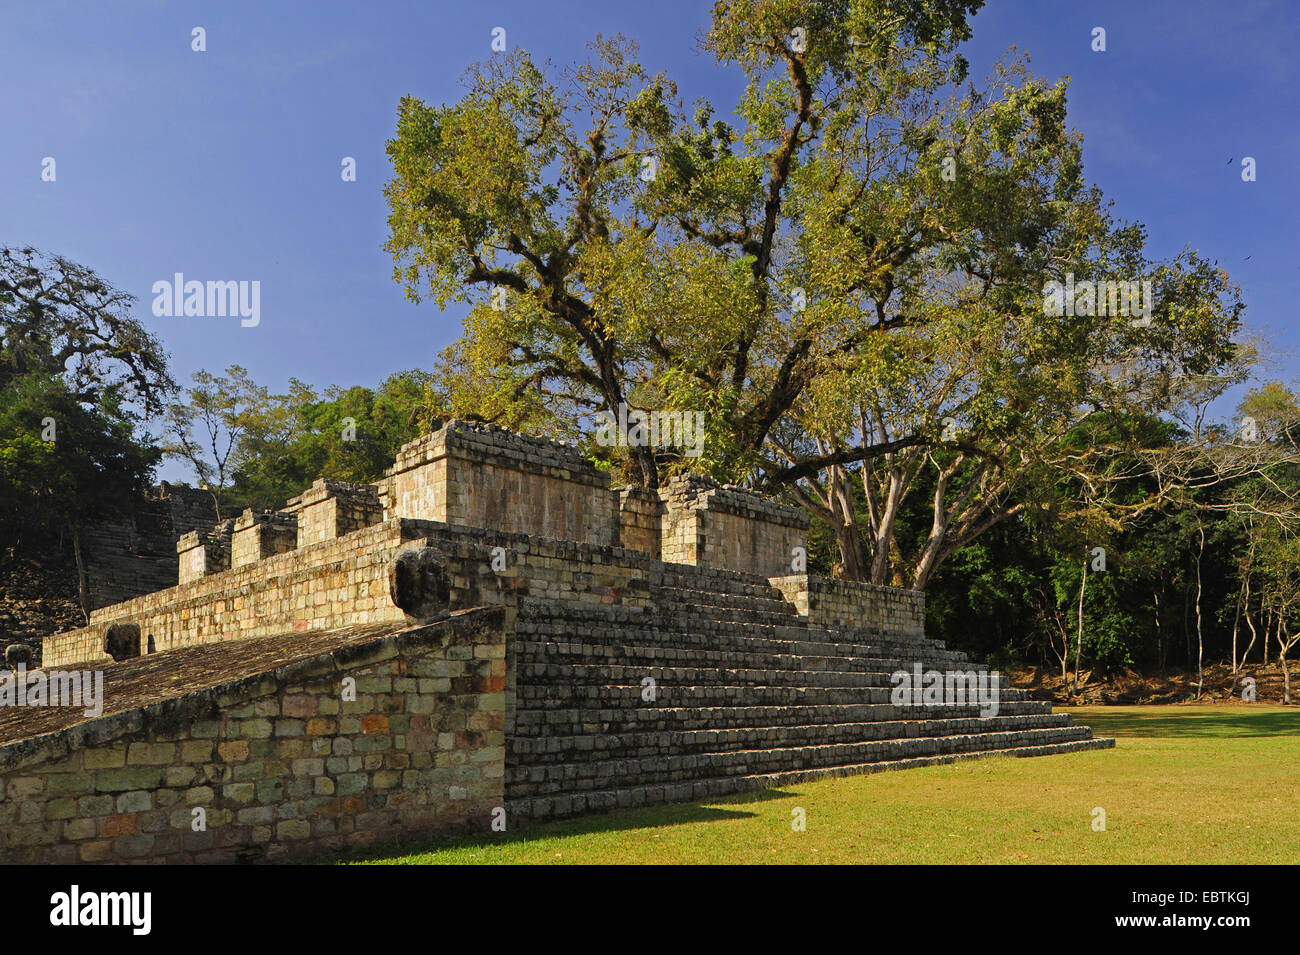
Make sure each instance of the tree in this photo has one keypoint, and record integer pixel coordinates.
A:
(1278, 568)
(351, 434)
(572, 210)
(60, 319)
(1265, 504)
(210, 427)
(848, 280)
(77, 377)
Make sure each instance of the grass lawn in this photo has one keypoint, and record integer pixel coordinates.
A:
(1184, 784)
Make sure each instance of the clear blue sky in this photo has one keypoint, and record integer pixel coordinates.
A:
(225, 164)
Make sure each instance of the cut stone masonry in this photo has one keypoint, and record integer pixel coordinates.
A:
(259, 535)
(203, 553)
(638, 646)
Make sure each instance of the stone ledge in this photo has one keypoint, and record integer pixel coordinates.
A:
(490, 444)
(144, 689)
(695, 491)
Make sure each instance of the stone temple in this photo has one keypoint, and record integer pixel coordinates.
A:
(490, 636)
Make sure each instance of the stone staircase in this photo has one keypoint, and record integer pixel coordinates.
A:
(745, 695)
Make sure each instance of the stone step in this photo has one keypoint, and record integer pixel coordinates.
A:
(628, 654)
(535, 607)
(792, 640)
(578, 721)
(682, 598)
(552, 779)
(690, 577)
(543, 674)
(561, 695)
(533, 809)
(598, 746)
(693, 615)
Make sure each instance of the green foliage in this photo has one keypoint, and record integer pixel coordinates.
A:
(349, 434)
(76, 374)
(854, 258)
(61, 320)
(219, 418)
(92, 469)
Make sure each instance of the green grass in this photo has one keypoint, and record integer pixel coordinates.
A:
(1184, 784)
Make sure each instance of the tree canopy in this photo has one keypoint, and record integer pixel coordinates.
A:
(847, 276)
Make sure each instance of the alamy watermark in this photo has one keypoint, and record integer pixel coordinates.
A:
(84, 688)
(75, 908)
(1110, 298)
(196, 299)
(656, 429)
(946, 688)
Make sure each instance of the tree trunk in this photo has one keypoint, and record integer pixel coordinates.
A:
(1064, 655)
(1200, 637)
(839, 495)
(83, 585)
(1243, 607)
(1078, 646)
(1236, 624)
(645, 457)
(1160, 636)
(1253, 635)
(216, 502)
(1283, 644)
(885, 530)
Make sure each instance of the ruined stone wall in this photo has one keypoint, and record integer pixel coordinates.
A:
(335, 583)
(847, 606)
(260, 535)
(280, 763)
(714, 525)
(495, 481)
(345, 583)
(204, 552)
(330, 509)
(641, 513)
(137, 554)
(192, 560)
(563, 572)
(479, 475)
(484, 476)
(681, 536)
(498, 569)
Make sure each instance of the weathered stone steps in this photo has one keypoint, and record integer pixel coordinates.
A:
(555, 653)
(607, 800)
(697, 790)
(709, 580)
(682, 597)
(699, 612)
(745, 693)
(561, 695)
(568, 778)
(540, 674)
(710, 634)
(548, 749)
(576, 721)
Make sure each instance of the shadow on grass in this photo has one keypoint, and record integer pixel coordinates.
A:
(620, 820)
(1230, 722)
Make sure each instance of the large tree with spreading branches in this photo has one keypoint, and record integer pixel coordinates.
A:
(846, 276)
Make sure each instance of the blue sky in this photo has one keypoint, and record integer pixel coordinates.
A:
(225, 164)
